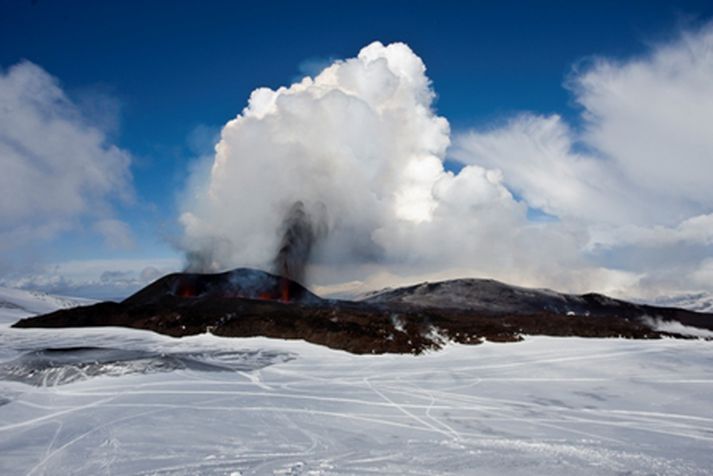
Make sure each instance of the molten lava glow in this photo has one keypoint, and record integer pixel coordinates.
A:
(186, 291)
(284, 290)
(278, 290)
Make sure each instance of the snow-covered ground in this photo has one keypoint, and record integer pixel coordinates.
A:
(209, 405)
(18, 303)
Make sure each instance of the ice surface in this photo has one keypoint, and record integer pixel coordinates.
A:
(556, 406)
(60, 366)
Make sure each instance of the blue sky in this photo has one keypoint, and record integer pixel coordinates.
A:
(162, 77)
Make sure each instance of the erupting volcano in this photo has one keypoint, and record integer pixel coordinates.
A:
(298, 237)
(247, 302)
(241, 283)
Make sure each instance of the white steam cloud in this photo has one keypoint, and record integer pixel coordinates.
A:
(358, 145)
(361, 147)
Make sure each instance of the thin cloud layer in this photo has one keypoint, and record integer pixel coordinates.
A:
(97, 279)
(651, 117)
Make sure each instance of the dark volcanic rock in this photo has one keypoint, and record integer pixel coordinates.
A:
(240, 283)
(246, 303)
(493, 297)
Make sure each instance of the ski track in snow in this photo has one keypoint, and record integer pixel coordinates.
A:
(553, 406)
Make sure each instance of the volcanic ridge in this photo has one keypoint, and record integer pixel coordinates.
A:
(248, 302)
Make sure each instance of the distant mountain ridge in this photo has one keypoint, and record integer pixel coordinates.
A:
(491, 296)
(487, 295)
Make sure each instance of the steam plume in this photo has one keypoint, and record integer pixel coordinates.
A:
(361, 137)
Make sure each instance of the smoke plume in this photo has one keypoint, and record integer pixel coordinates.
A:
(299, 236)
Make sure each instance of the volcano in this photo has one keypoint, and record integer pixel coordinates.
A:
(248, 302)
(241, 283)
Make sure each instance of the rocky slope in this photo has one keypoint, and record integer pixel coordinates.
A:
(493, 297)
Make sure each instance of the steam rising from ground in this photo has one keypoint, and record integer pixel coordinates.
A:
(347, 169)
(678, 328)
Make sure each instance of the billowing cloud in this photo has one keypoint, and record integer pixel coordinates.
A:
(537, 157)
(56, 167)
(362, 148)
(359, 145)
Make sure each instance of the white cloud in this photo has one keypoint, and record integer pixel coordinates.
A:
(652, 117)
(635, 175)
(646, 136)
(56, 168)
(360, 139)
(116, 233)
(362, 147)
(697, 230)
(629, 184)
(537, 158)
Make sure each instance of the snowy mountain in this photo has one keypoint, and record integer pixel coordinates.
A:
(488, 295)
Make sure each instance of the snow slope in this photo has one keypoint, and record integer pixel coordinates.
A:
(699, 301)
(552, 406)
(481, 295)
(18, 303)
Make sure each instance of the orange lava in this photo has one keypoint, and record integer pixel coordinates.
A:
(186, 292)
(284, 290)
